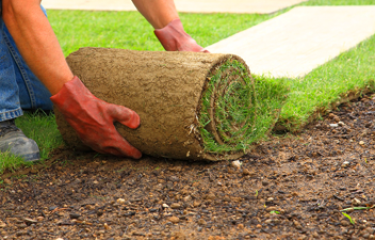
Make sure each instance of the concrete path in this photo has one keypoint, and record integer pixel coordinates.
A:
(298, 41)
(192, 6)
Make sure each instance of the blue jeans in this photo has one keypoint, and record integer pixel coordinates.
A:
(19, 87)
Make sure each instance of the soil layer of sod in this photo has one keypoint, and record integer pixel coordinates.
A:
(316, 185)
(192, 105)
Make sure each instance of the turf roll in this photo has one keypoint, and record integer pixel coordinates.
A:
(192, 105)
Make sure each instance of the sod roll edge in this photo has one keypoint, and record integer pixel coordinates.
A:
(192, 105)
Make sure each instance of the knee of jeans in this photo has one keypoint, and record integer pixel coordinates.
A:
(44, 10)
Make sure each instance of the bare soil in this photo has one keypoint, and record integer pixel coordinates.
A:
(290, 187)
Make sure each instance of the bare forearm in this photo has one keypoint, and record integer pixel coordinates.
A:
(157, 12)
(37, 42)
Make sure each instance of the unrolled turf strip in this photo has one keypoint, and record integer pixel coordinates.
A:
(192, 105)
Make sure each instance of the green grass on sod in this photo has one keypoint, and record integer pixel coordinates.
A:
(243, 110)
(40, 127)
(129, 30)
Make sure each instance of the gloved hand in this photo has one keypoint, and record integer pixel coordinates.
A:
(174, 38)
(93, 119)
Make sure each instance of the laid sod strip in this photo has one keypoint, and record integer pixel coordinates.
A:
(11, 162)
(346, 77)
(40, 127)
(337, 2)
(192, 105)
(43, 130)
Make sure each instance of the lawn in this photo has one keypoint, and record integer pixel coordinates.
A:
(308, 95)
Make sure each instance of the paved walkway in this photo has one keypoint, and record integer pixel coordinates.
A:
(193, 6)
(298, 41)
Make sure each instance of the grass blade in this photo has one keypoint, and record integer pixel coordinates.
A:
(348, 217)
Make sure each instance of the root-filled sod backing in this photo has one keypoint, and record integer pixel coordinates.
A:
(192, 105)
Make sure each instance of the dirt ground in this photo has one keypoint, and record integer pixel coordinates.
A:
(290, 187)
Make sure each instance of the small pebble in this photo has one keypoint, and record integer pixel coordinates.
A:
(175, 205)
(29, 220)
(174, 219)
(246, 172)
(165, 205)
(196, 203)
(265, 182)
(120, 201)
(2, 224)
(106, 226)
(356, 202)
(345, 164)
(240, 226)
(237, 164)
(211, 196)
(188, 199)
(202, 222)
(269, 209)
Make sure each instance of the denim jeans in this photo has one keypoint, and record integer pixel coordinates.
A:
(19, 87)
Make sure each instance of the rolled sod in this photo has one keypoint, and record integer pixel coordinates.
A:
(192, 105)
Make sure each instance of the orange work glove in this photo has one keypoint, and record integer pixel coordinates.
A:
(174, 38)
(93, 119)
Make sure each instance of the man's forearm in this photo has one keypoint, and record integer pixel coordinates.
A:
(37, 42)
(157, 12)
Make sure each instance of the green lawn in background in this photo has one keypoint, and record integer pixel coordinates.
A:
(337, 2)
(129, 30)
